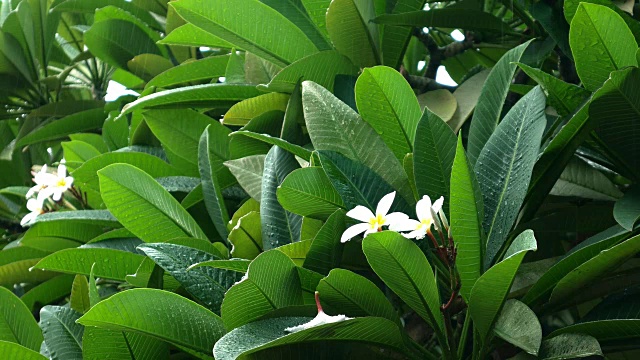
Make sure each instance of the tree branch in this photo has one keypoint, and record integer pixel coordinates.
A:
(437, 54)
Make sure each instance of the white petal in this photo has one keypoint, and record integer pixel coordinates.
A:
(28, 218)
(395, 218)
(385, 204)
(353, 231)
(370, 231)
(32, 191)
(57, 194)
(320, 319)
(404, 225)
(422, 208)
(33, 205)
(437, 205)
(68, 181)
(62, 170)
(361, 213)
(417, 234)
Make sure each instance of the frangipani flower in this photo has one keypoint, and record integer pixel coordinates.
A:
(372, 222)
(60, 183)
(426, 213)
(42, 179)
(36, 206)
(320, 319)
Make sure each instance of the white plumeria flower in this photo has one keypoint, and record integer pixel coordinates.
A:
(320, 319)
(372, 222)
(42, 178)
(60, 183)
(426, 213)
(36, 206)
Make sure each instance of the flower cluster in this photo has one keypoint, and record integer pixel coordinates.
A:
(428, 214)
(48, 186)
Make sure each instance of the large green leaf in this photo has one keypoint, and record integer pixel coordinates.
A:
(17, 325)
(340, 340)
(581, 180)
(202, 96)
(504, 168)
(48, 291)
(79, 300)
(248, 171)
(458, 18)
(404, 268)
(207, 284)
(434, 151)
(81, 121)
(570, 346)
(191, 35)
(490, 291)
(466, 214)
(15, 351)
(235, 23)
(294, 11)
(353, 295)
(321, 68)
(210, 163)
(62, 335)
(90, 217)
(519, 325)
(626, 211)
(296, 150)
(111, 264)
(138, 201)
(208, 68)
(612, 48)
(90, 6)
(309, 192)
(98, 343)
(326, 249)
(279, 226)
(616, 109)
(272, 283)
(334, 126)
(386, 101)
(486, 116)
(172, 318)
(352, 33)
(395, 38)
(591, 270)
(241, 113)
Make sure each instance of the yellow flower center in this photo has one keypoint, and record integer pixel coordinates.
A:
(424, 222)
(61, 183)
(377, 222)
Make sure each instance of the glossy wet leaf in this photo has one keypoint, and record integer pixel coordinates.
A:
(17, 325)
(309, 192)
(519, 325)
(111, 264)
(62, 335)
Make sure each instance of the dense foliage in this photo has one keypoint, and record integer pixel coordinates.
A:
(292, 182)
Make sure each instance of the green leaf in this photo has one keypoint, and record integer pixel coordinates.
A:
(234, 73)
(80, 294)
(98, 343)
(355, 296)
(17, 325)
(576, 257)
(272, 140)
(191, 35)
(271, 41)
(246, 236)
(612, 47)
(321, 68)
(111, 264)
(395, 38)
(279, 226)
(357, 184)
(309, 192)
(570, 346)
(137, 200)
(466, 214)
(434, 152)
(48, 292)
(326, 249)
(296, 13)
(504, 168)
(89, 217)
(486, 116)
(579, 179)
(115, 133)
(334, 126)
(241, 113)
(192, 327)
(403, 267)
(206, 284)
(268, 337)
(200, 96)
(237, 265)
(78, 122)
(615, 108)
(118, 41)
(441, 102)
(457, 18)
(78, 152)
(208, 68)
(248, 171)
(387, 103)
(626, 211)
(490, 291)
(62, 335)
(594, 268)
(90, 6)
(272, 283)
(352, 33)
(16, 351)
(209, 162)
(467, 95)
(519, 325)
